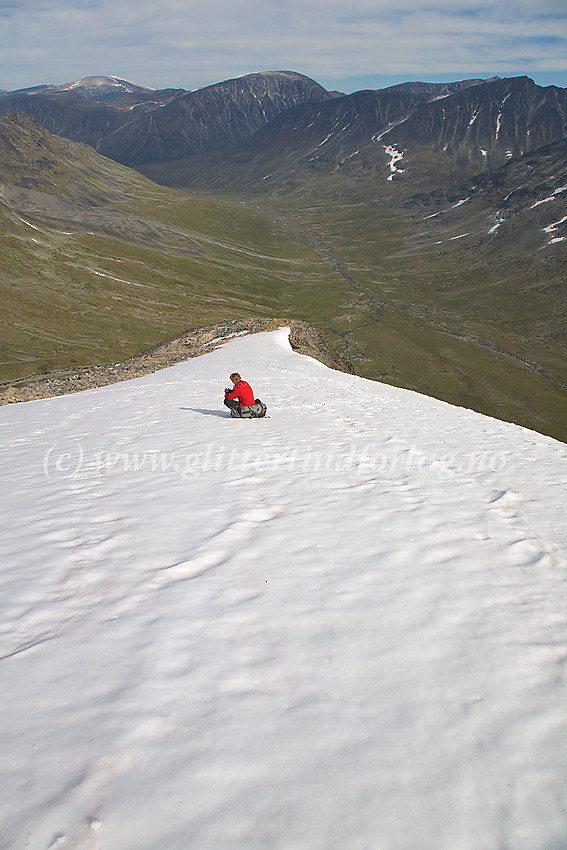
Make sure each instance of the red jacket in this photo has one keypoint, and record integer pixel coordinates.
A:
(243, 392)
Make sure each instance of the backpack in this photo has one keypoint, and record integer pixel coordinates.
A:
(254, 411)
(259, 410)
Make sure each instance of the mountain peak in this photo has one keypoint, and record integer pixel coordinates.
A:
(91, 88)
(104, 83)
(101, 88)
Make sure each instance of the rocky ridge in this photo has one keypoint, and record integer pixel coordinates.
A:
(304, 338)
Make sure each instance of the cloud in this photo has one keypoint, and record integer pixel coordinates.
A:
(191, 44)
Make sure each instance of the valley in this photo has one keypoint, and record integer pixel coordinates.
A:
(100, 263)
(433, 262)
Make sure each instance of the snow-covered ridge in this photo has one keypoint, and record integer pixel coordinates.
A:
(280, 632)
(104, 83)
(92, 87)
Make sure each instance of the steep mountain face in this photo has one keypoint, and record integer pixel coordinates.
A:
(29, 155)
(141, 102)
(420, 141)
(141, 126)
(322, 136)
(218, 116)
(51, 182)
(485, 125)
(67, 114)
(85, 111)
(326, 134)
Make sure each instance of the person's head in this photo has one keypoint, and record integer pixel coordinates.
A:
(235, 378)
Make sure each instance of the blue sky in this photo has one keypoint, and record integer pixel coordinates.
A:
(361, 44)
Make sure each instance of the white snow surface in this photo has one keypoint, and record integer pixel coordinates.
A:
(395, 157)
(342, 626)
(550, 197)
(551, 229)
(452, 207)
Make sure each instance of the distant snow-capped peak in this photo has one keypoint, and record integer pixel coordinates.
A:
(102, 84)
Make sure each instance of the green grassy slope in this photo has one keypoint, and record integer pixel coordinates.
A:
(98, 262)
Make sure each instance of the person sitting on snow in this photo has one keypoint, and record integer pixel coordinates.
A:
(240, 398)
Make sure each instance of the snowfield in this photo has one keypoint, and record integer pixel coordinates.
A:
(338, 628)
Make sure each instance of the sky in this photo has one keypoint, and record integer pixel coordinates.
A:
(344, 46)
(339, 627)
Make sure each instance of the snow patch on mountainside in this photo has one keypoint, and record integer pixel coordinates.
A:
(551, 197)
(342, 626)
(395, 157)
(551, 229)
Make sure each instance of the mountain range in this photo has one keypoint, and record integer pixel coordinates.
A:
(472, 125)
(438, 210)
(115, 116)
